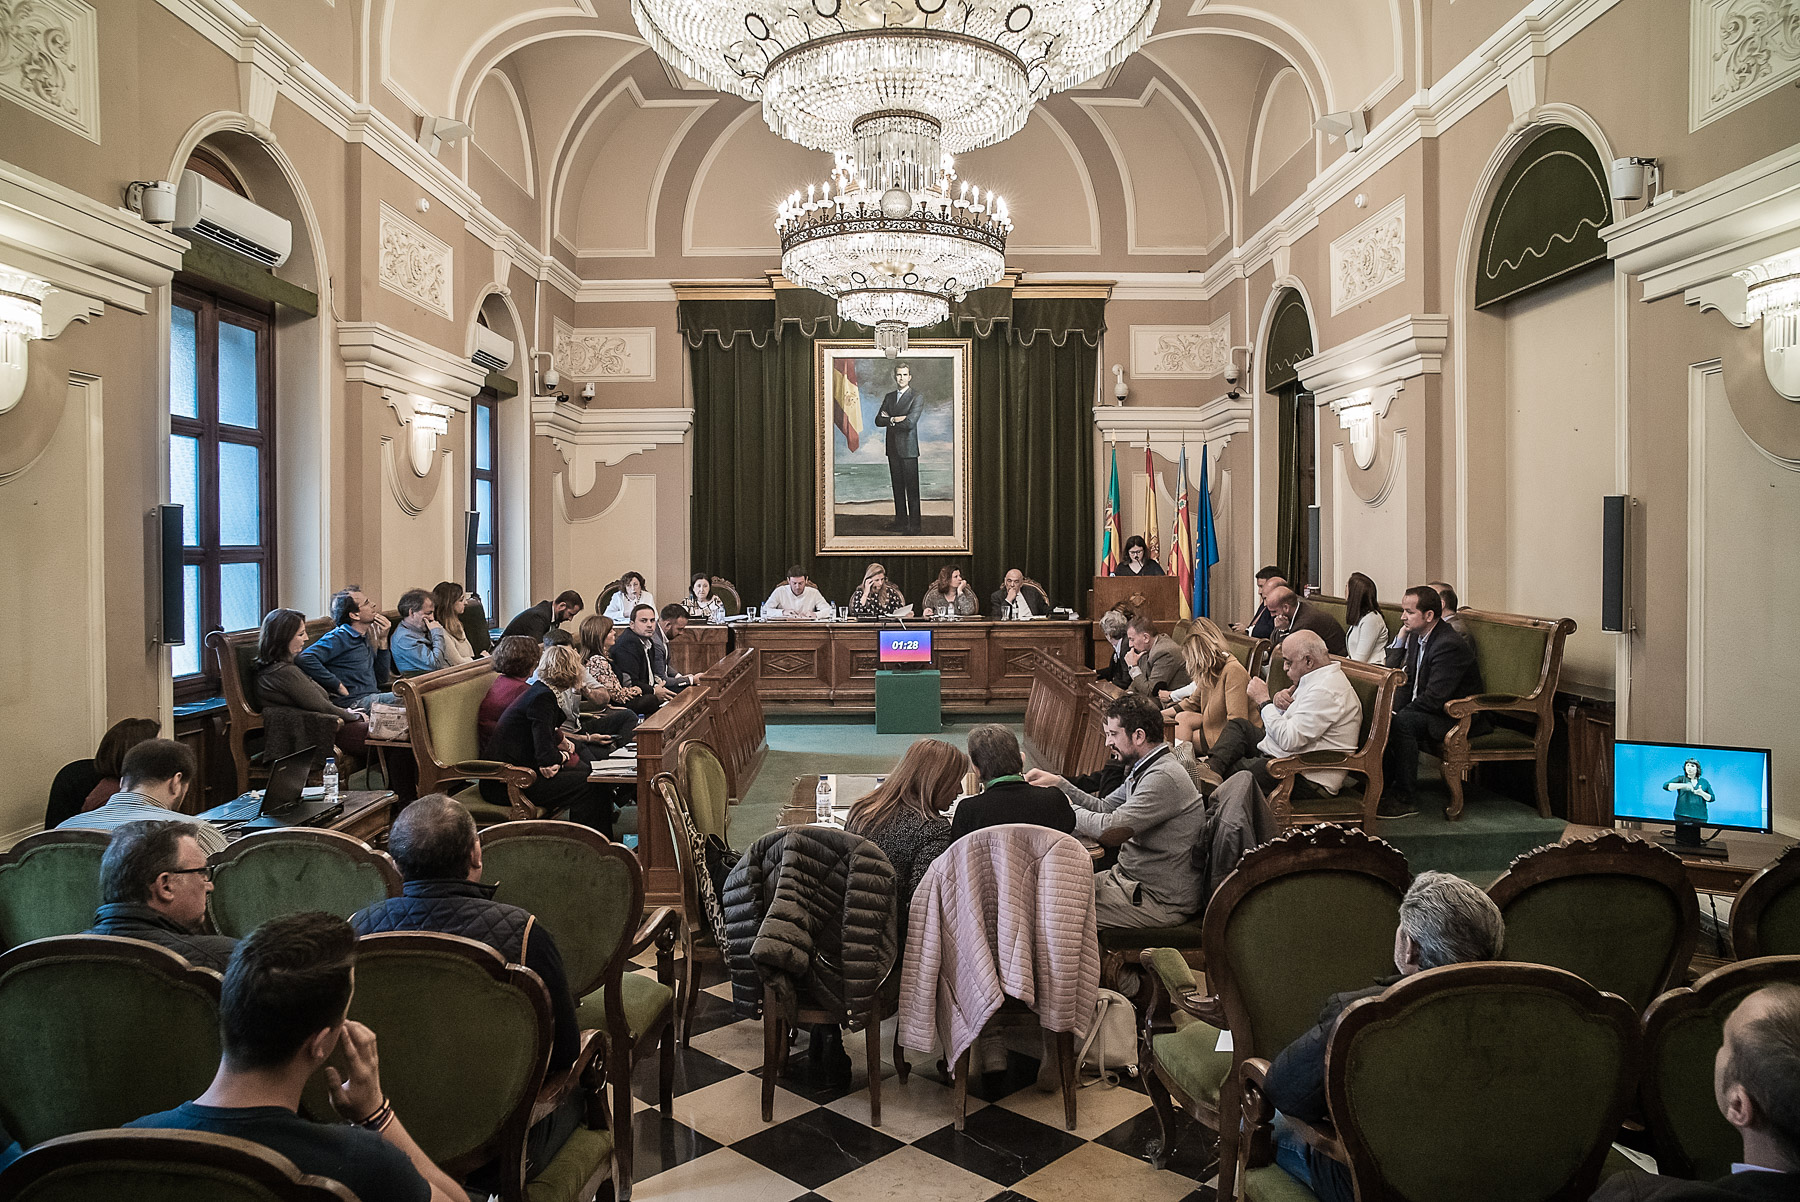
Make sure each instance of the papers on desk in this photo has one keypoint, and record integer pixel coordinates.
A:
(622, 764)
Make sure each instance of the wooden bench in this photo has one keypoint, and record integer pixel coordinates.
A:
(441, 709)
(1521, 661)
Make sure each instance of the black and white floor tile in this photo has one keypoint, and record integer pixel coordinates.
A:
(820, 1144)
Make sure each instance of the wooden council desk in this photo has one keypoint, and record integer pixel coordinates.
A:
(983, 662)
(1750, 854)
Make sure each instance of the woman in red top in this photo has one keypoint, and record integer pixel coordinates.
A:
(515, 657)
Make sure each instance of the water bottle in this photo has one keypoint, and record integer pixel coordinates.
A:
(824, 811)
(331, 784)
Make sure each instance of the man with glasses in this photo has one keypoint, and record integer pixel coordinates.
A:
(154, 881)
(351, 661)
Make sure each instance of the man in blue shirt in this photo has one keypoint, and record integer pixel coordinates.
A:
(351, 659)
(282, 1012)
(418, 642)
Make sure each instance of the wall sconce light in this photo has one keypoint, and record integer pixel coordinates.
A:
(1772, 292)
(21, 319)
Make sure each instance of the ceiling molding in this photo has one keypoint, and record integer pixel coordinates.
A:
(587, 437)
(380, 355)
(1131, 285)
(1405, 347)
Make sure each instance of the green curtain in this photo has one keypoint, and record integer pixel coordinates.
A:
(1290, 512)
(1032, 369)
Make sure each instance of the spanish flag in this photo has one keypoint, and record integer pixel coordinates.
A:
(846, 401)
(1181, 543)
(1152, 536)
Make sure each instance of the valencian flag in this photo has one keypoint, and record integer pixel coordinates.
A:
(846, 401)
(1206, 553)
(1113, 535)
(1181, 543)
(1152, 536)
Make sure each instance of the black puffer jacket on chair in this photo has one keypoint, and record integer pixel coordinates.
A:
(809, 913)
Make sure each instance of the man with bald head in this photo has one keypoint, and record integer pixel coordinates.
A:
(1319, 712)
(1018, 598)
(1293, 614)
(1756, 1083)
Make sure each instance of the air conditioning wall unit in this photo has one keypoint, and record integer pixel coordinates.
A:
(204, 209)
(493, 351)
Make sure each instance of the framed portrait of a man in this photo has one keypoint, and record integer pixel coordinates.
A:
(893, 447)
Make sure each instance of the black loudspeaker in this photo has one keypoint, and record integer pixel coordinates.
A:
(1313, 568)
(471, 532)
(172, 621)
(1615, 542)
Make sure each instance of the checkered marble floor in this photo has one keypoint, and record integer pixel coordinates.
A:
(820, 1145)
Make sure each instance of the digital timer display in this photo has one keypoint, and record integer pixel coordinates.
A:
(905, 647)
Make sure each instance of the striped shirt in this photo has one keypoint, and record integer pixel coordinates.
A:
(125, 806)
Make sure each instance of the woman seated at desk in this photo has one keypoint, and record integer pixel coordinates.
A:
(949, 596)
(875, 597)
(700, 603)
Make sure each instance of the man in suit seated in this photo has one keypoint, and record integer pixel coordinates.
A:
(1440, 667)
(1004, 796)
(154, 883)
(283, 1011)
(1756, 1083)
(1262, 622)
(536, 622)
(1443, 920)
(1018, 598)
(637, 659)
(1292, 613)
(1154, 661)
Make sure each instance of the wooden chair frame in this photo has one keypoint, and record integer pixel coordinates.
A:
(1015, 1013)
(1345, 1142)
(434, 770)
(1365, 761)
(1256, 651)
(1303, 849)
(720, 585)
(508, 1141)
(1540, 704)
(170, 1151)
(1610, 853)
(697, 939)
(775, 1044)
(347, 846)
(1756, 896)
(1680, 1003)
(243, 720)
(660, 928)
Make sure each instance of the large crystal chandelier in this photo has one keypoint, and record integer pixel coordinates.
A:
(891, 235)
(973, 67)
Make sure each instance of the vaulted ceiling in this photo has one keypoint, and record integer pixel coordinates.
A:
(626, 166)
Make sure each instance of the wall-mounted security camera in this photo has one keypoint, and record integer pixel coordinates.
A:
(1231, 381)
(1352, 125)
(587, 391)
(1635, 178)
(551, 380)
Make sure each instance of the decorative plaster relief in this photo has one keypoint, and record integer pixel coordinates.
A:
(1181, 352)
(1370, 258)
(1739, 50)
(606, 354)
(414, 264)
(49, 61)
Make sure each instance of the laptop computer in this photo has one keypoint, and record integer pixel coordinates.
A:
(283, 801)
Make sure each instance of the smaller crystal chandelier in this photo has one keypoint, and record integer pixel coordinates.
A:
(892, 237)
(1772, 292)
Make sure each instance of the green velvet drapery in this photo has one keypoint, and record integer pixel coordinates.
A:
(1032, 367)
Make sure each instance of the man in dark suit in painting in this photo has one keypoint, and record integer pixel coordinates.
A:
(899, 412)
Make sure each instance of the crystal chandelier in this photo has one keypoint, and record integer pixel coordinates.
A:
(892, 236)
(972, 67)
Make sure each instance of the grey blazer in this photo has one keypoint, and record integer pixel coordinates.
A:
(1161, 667)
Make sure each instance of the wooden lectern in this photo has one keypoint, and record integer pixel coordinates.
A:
(1157, 596)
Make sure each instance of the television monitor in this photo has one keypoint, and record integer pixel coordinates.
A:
(1652, 782)
(905, 648)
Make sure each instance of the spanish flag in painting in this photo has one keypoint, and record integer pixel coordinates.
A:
(846, 401)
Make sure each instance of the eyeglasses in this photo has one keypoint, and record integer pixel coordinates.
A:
(206, 870)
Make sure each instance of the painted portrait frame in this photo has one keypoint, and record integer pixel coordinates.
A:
(855, 484)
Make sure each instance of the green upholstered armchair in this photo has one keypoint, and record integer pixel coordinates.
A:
(1765, 917)
(291, 871)
(707, 787)
(1481, 1082)
(588, 893)
(96, 1031)
(50, 885)
(1252, 653)
(465, 1042)
(1375, 687)
(1616, 910)
(1521, 661)
(1682, 1033)
(698, 941)
(441, 709)
(1308, 914)
(727, 592)
(195, 1166)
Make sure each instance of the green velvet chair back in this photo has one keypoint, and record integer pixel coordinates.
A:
(451, 714)
(708, 788)
(1278, 677)
(1682, 1032)
(1308, 914)
(1483, 1083)
(586, 892)
(1617, 911)
(1339, 608)
(161, 1166)
(1369, 692)
(50, 885)
(465, 1040)
(1511, 657)
(96, 1031)
(274, 873)
(1765, 917)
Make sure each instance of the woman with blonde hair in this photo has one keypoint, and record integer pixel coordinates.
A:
(904, 816)
(1218, 692)
(449, 599)
(530, 735)
(875, 597)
